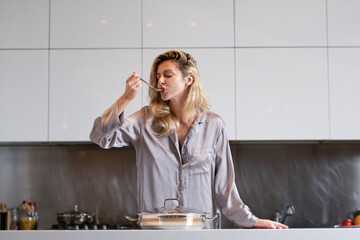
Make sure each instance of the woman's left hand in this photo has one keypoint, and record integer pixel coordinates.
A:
(264, 223)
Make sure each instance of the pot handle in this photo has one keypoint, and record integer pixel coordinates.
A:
(132, 219)
(169, 199)
(89, 218)
(212, 218)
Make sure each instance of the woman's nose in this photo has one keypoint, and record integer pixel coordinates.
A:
(161, 81)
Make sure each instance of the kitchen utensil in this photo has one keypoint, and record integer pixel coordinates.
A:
(172, 219)
(75, 217)
(155, 89)
(289, 212)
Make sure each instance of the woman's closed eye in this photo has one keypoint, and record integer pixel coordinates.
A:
(165, 76)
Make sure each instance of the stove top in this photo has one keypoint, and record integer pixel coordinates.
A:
(95, 226)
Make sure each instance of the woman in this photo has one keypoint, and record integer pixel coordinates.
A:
(181, 147)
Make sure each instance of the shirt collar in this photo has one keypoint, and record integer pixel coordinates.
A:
(199, 121)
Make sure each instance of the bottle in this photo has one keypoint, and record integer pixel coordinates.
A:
(4, 217)
(14, 219)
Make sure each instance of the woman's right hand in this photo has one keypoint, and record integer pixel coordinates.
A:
(133, 85)
(265, 223)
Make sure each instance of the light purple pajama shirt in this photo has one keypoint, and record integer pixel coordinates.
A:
(200, 174)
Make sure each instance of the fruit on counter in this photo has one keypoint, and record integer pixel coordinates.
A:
(357, 217)
(357, 220)
(347, 222)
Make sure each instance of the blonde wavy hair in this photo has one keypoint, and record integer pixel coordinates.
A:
(164, 121)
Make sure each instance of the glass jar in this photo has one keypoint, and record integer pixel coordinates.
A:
(28, 220)
(14, 223)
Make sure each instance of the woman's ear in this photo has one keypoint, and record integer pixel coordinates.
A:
(189, 80)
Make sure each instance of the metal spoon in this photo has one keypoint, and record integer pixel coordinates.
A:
(155, 89)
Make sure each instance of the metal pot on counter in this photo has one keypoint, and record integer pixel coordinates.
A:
(171, 219)
(75, 217)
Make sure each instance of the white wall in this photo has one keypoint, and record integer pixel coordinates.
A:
(81, 51)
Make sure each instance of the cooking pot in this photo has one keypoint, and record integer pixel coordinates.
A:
(75, 217)
(171, 219)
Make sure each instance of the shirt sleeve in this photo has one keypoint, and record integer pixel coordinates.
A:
(227, 195)
(112, 130)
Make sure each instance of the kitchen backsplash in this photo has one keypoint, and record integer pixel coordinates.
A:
(322, 181)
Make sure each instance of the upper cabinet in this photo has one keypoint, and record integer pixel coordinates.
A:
(217, 72)
(216, 67)
(24, 24)
(272, 69)
(188, 23)
(282, 94)
(344, 64)
(280, 23)
(344, 68)
(343, 22)
(83, 84)
(95, 24)
(23, 95)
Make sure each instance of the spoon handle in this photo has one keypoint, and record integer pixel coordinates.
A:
(155, 89)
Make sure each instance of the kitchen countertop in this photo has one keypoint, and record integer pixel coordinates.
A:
(228, 234)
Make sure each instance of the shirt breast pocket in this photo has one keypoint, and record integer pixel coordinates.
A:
(201, 160)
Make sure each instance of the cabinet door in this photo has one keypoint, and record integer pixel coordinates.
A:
(282, 94)
(216, 67)
(188, 23)
(83, 83)
(24, 95)
(344, 74)
(280, 23)
(95, 24)
(24, 24)
(343, 22)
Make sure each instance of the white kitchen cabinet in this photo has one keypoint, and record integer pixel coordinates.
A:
(23, 95)
(24, 24)
(282, 94)
(343, 22)
(344, 65)
(216, 68)
(95, 24)
(83, 83)
(280, 23)
(188, 23)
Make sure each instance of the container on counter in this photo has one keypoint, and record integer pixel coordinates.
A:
(14, 223)
(27, 216)
(4, 217)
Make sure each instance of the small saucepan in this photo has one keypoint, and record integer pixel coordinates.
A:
(75, 217)
(171, 219)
